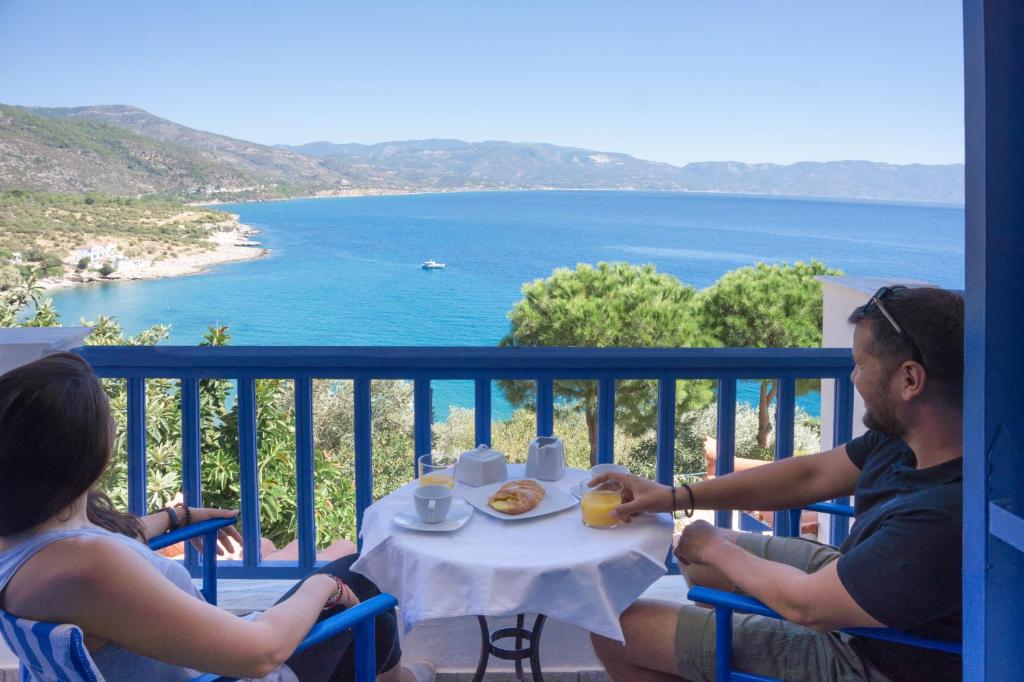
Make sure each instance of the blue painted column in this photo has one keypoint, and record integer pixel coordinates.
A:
(482, 411)
(842, 431)
(726, 439)
(786, 523)
(364, 454)
(137, 447)
(605, 421)
(304, 493)
(545, 407)
(666, 431)
(993, 431)
(423, 421)
(249, 472)
(191, 470)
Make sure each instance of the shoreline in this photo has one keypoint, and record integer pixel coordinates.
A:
(230, 246)
(356, 193)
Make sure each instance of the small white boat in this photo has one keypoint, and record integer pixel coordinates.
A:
(432, 265)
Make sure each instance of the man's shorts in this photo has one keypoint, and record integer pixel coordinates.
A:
(768, 646)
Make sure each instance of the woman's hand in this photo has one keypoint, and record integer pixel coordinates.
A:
(227, 537)
(342, 594)
(638, 495)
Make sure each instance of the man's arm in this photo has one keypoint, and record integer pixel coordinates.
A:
(786, 484)
(815, 600)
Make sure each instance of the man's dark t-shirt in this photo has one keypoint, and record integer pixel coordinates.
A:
(902, 560)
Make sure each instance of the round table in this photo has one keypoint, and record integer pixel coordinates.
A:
(551, 565)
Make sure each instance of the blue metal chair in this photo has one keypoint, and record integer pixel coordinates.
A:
(50, 652)
(727, 602)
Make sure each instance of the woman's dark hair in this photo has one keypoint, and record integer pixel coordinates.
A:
(56, 437)
(934, 319)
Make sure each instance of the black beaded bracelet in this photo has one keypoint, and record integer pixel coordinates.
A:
(175, 522)
(693, 503)
(188, 512)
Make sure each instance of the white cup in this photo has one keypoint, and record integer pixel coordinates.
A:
(433, 502)
(599, 469)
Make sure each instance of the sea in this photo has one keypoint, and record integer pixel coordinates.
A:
(347, 270)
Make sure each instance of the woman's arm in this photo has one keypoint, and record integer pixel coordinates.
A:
(158, 523)
(112, 593)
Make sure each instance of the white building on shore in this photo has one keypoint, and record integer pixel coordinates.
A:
(97, 251)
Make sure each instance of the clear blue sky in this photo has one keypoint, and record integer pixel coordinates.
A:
(676, 81)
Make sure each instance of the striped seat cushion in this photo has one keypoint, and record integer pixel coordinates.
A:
(48, 652)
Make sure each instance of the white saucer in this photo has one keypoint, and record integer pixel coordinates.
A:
(457, 518)
(577, 490)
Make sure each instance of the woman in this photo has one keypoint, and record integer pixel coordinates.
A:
(67, 556)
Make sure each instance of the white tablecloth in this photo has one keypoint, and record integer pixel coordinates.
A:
(491, 567)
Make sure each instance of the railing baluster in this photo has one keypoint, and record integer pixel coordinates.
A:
(842, 431)
(545, 407)
(191, 471)
(666, 431)
(482, 402)
(726, 439)
(249, 472)
(423, 422)
(785, 414)
(364, 454)
(605, 421)
(304, 496)
(137, 493)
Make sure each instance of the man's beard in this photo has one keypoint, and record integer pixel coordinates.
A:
(883, 418)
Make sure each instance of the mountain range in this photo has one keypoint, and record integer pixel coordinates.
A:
(124, 150)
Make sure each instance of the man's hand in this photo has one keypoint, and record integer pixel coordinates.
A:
(697, 538)
(638, 495)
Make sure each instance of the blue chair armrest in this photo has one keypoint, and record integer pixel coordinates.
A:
(209, 530)
(739, 602)
(831, 508)
(361, 618)
(189, 532)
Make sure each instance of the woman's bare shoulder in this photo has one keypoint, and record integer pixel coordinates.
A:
(64, 572)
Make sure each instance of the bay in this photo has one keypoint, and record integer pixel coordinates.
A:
(346, 271)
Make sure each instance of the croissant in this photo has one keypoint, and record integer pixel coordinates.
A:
(516, 497)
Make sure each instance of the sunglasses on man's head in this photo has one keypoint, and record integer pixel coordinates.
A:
(876, 300)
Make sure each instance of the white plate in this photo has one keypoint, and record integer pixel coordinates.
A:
(458, 515)
(555, 500)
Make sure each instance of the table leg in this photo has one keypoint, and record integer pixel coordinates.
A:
(485, 649)
(538, 627)
(519, 645)
(488, 647)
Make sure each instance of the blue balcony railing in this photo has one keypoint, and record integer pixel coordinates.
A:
(544, 366)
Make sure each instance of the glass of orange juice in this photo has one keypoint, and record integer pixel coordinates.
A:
(437, 468)
(598, 502)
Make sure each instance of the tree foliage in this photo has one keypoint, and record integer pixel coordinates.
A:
(611, 305)
(764, 306)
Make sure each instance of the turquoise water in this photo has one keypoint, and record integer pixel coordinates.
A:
(347, 271)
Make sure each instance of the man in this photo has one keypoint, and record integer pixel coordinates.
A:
(901, 565)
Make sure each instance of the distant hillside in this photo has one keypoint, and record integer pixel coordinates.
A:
(124, 150)
(447, 164)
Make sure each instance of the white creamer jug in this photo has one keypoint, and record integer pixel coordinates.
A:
(545, 459)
